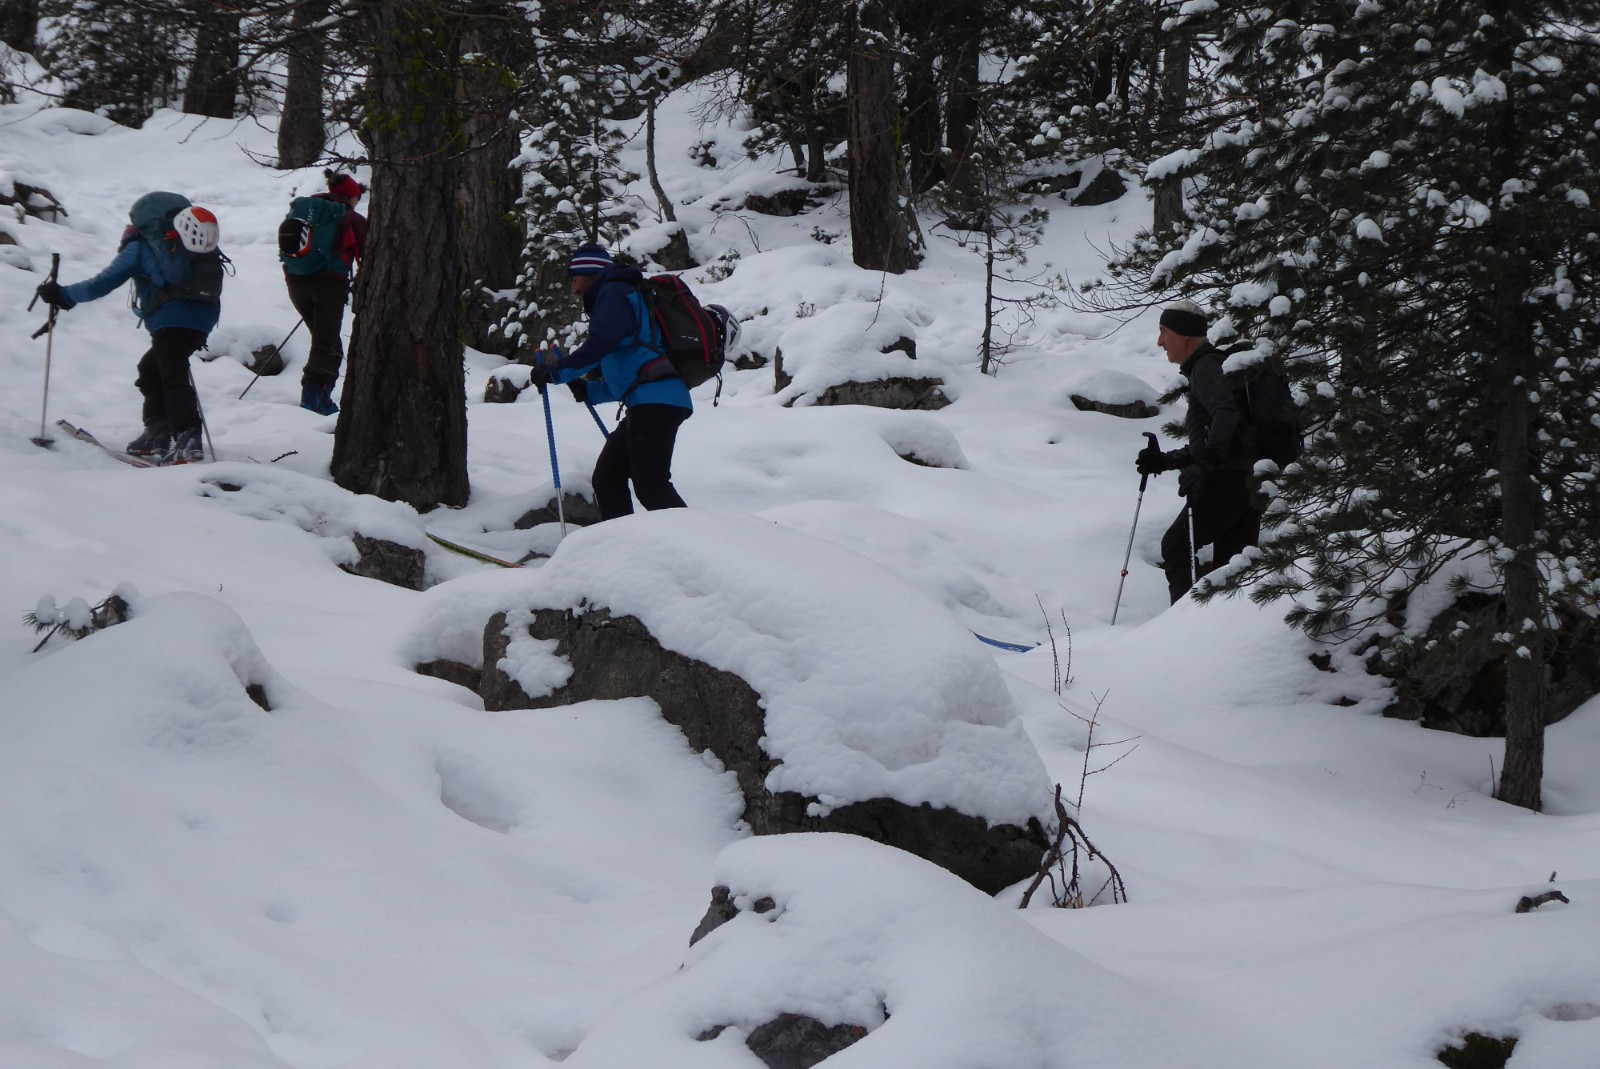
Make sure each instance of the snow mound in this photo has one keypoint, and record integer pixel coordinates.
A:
(941, 976)
(872, 689)
(845, 343)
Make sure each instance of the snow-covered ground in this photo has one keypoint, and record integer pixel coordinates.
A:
(377, 874)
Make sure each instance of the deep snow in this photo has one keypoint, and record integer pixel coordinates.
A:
(379, 875)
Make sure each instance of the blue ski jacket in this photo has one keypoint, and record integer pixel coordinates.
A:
(149, 270)
(622, 340)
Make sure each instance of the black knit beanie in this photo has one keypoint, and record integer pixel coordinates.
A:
(1185, 321)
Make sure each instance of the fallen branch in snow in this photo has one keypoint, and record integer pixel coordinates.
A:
(1527, 904)
(1061, 861)
(76, 619)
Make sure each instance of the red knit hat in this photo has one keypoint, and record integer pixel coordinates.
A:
(342, 185)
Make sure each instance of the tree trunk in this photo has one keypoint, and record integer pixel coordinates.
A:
(879, 232)
(1521, 503)
(1174, 99)
(213, 87)
(962, 57)
(19, 24)
(487, 197)
(402, 430)
(302, 131)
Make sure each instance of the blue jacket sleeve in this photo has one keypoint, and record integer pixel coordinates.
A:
(612, 322)
(115, 274)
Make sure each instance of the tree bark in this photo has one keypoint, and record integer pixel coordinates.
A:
(880, 234)
(402, 430)
(487, 197)
(1521, 503)
(213, 87)
(962, 57)
(1521, 506)
(302, 129)
(1174, 99)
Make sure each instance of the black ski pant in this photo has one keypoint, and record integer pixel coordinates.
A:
(1225, 518)
(164, 380)
(321, 300)
(639, 450)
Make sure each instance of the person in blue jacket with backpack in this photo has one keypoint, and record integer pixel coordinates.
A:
(622, 360)
(176, 305)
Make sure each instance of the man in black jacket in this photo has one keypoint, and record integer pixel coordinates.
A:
(1214, 466)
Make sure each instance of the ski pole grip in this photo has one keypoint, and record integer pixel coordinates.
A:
(1145, 479)
(55, 268)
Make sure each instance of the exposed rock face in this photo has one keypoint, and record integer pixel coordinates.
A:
(36, 201)
(720, 714)
(901, 391)
(388, 562)
(1129, 410)
(462, 675)
(922, 395)
(783, 203)
(795, 1041)
(579, 511)
(1460, 685)
(673, 253)
(500, 391)
(1104, 188)
(790, 1040)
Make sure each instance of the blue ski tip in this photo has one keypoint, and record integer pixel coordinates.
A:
(1014, 647)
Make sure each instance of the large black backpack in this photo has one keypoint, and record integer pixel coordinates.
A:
(691, 340)
(1267, 405)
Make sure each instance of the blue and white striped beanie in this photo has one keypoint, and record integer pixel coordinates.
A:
(588, 259)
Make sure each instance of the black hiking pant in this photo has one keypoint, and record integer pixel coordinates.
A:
(164, 380)
(321, 300)
(1225, 518)
(639, 450)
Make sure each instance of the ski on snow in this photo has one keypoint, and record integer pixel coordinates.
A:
(72, 430)
(467, 551)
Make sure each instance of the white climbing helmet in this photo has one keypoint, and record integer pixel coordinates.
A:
(728, 323)
(197, 229)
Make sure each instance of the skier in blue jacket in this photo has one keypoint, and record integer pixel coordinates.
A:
(622, 360)
(177, 329)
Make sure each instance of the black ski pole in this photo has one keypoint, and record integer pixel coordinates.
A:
(49, 332)
(277, 350)
(1128, 554)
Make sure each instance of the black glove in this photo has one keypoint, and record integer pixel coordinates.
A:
(1150, 461)
(538, 377)
(1192, 480)
(580, 390)
(50, 293)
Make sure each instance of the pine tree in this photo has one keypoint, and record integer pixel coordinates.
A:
(117, 59)
(1401, 209)
(573, 182)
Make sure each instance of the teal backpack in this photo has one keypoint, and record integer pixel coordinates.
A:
(306, 237)
(189, 276)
